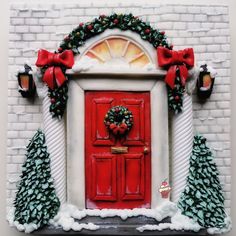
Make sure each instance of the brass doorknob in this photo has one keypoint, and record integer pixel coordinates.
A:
(145, 150)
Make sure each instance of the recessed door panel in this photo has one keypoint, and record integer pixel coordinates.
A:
(133, 177)
(104, 176)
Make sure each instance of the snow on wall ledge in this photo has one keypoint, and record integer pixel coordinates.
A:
(205, 28)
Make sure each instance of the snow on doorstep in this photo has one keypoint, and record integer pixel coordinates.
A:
(68, 214)
(178, 222)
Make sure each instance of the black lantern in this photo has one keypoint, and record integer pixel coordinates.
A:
(205, 82)
(26, 82)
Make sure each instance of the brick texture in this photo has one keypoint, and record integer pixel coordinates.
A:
(205, 28)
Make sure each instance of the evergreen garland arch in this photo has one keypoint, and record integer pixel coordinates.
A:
(78, 36)
(84, 31)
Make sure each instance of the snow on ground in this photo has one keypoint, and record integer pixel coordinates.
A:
(27, 228)
(228, 227)
(68, 219)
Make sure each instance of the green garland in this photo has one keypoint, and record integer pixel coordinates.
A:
(84, 31)
(175, 95)
(119, 120)
(79, 35)
(58, 98)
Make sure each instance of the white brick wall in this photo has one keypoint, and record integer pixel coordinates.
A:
(205, 28)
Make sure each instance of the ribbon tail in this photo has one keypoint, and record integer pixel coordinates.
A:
(170, 76)
(183, 71)
(48, 77)
(59, 76)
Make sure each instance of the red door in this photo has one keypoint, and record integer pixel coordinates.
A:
(120, 180)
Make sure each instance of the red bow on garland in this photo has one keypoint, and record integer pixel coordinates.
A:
(173, 60)
(121, 129)
(54, 61)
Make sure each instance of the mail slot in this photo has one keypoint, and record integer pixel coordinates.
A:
(117, 150)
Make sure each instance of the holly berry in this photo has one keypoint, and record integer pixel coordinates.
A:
(147, 31)
(102, 16)
(67, 38)
(176, 97)
(90, 27)
(163, 32)
(81, 24)
(116, 21)
(60, 49)
(171, 46)
(53, 100)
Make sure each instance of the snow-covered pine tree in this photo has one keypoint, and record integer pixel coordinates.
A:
(202, 198)
(36, 201)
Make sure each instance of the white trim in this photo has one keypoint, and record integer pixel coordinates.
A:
(75, 146)
(75, 132)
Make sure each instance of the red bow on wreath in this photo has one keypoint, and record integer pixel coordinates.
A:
(54, 62)
(118, 128)
(174, 60)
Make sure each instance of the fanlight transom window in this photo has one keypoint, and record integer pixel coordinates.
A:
(118, 50)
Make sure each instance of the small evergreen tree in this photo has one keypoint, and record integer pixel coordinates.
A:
(36, 201)
(202, 198)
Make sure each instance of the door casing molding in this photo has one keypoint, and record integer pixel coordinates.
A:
(76, 132)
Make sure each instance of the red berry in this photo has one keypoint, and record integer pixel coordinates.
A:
(90, 27)
(53, 100)
(117, 109)
(147, 31)
(176, 97)
(116, 21)
(164, 183)
(102, 16)
(163, 32)
(171, 46)
(81, 24)
(60, 49)
(67, 38)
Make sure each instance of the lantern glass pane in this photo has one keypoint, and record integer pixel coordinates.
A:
(24, 82)
(206, 81)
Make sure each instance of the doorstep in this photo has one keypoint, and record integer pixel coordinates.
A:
(116, 226)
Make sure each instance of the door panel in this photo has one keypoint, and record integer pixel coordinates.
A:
(104, 177)
(136, 134)
(117, 180)
(101, 136)
(133, 177)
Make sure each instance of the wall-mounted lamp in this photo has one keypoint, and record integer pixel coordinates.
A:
(205, 81)
(26, 82)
